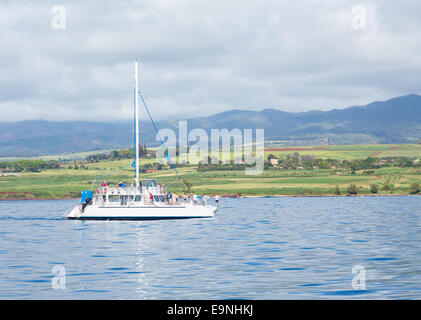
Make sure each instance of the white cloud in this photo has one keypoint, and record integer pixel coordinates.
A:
(201, 57)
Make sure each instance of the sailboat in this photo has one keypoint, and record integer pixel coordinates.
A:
(145, 200)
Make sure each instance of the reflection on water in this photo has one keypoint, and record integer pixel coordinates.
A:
(256, 248)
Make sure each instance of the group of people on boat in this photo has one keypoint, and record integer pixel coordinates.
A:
(124, 186)
(169, 198)
(175, 199)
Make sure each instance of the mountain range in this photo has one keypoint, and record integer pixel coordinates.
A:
(397, 120)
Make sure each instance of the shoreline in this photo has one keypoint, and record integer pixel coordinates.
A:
(251, 196)
(321, 196)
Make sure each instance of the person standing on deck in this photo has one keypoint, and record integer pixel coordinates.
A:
(104, 187)
(217, 200)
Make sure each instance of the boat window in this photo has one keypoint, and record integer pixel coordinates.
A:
(114, 198)
(123, 200)
(131, 198)
(157, 198)
(137, 198)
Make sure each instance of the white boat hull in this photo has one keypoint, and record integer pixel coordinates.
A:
(93, 212)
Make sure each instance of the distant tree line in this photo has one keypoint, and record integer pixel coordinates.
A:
(119, 154)
(229, 166)
(296, 161)
(374, 188)
(28, 165)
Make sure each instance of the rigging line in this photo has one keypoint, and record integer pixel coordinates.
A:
(159, 136)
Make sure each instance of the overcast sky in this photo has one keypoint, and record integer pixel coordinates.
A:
(203, 57)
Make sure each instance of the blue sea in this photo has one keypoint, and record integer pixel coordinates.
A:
(254, 248)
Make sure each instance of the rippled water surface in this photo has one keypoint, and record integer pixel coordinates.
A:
(255, 248)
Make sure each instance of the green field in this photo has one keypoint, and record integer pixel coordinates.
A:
(67, 183)
(350, 152)
(64, 156)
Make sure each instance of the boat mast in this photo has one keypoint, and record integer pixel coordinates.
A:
(136, 98)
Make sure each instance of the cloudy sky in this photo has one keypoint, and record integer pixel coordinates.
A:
(202, 57)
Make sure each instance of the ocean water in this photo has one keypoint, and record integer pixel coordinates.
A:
(254, 248)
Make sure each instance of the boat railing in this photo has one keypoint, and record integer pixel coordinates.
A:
(116, 190)
(145, 192)
(130, 190)
(153, 190)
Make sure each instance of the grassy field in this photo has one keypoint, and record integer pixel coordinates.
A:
(300, 182)
(350, 152)
(67, 183)
(64, 156)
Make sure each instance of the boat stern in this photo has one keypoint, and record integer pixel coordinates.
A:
(74, 213)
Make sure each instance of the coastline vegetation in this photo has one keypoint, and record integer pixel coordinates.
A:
(391, 170)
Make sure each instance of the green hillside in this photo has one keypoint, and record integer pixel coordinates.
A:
(394, 121)
(67, 181)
